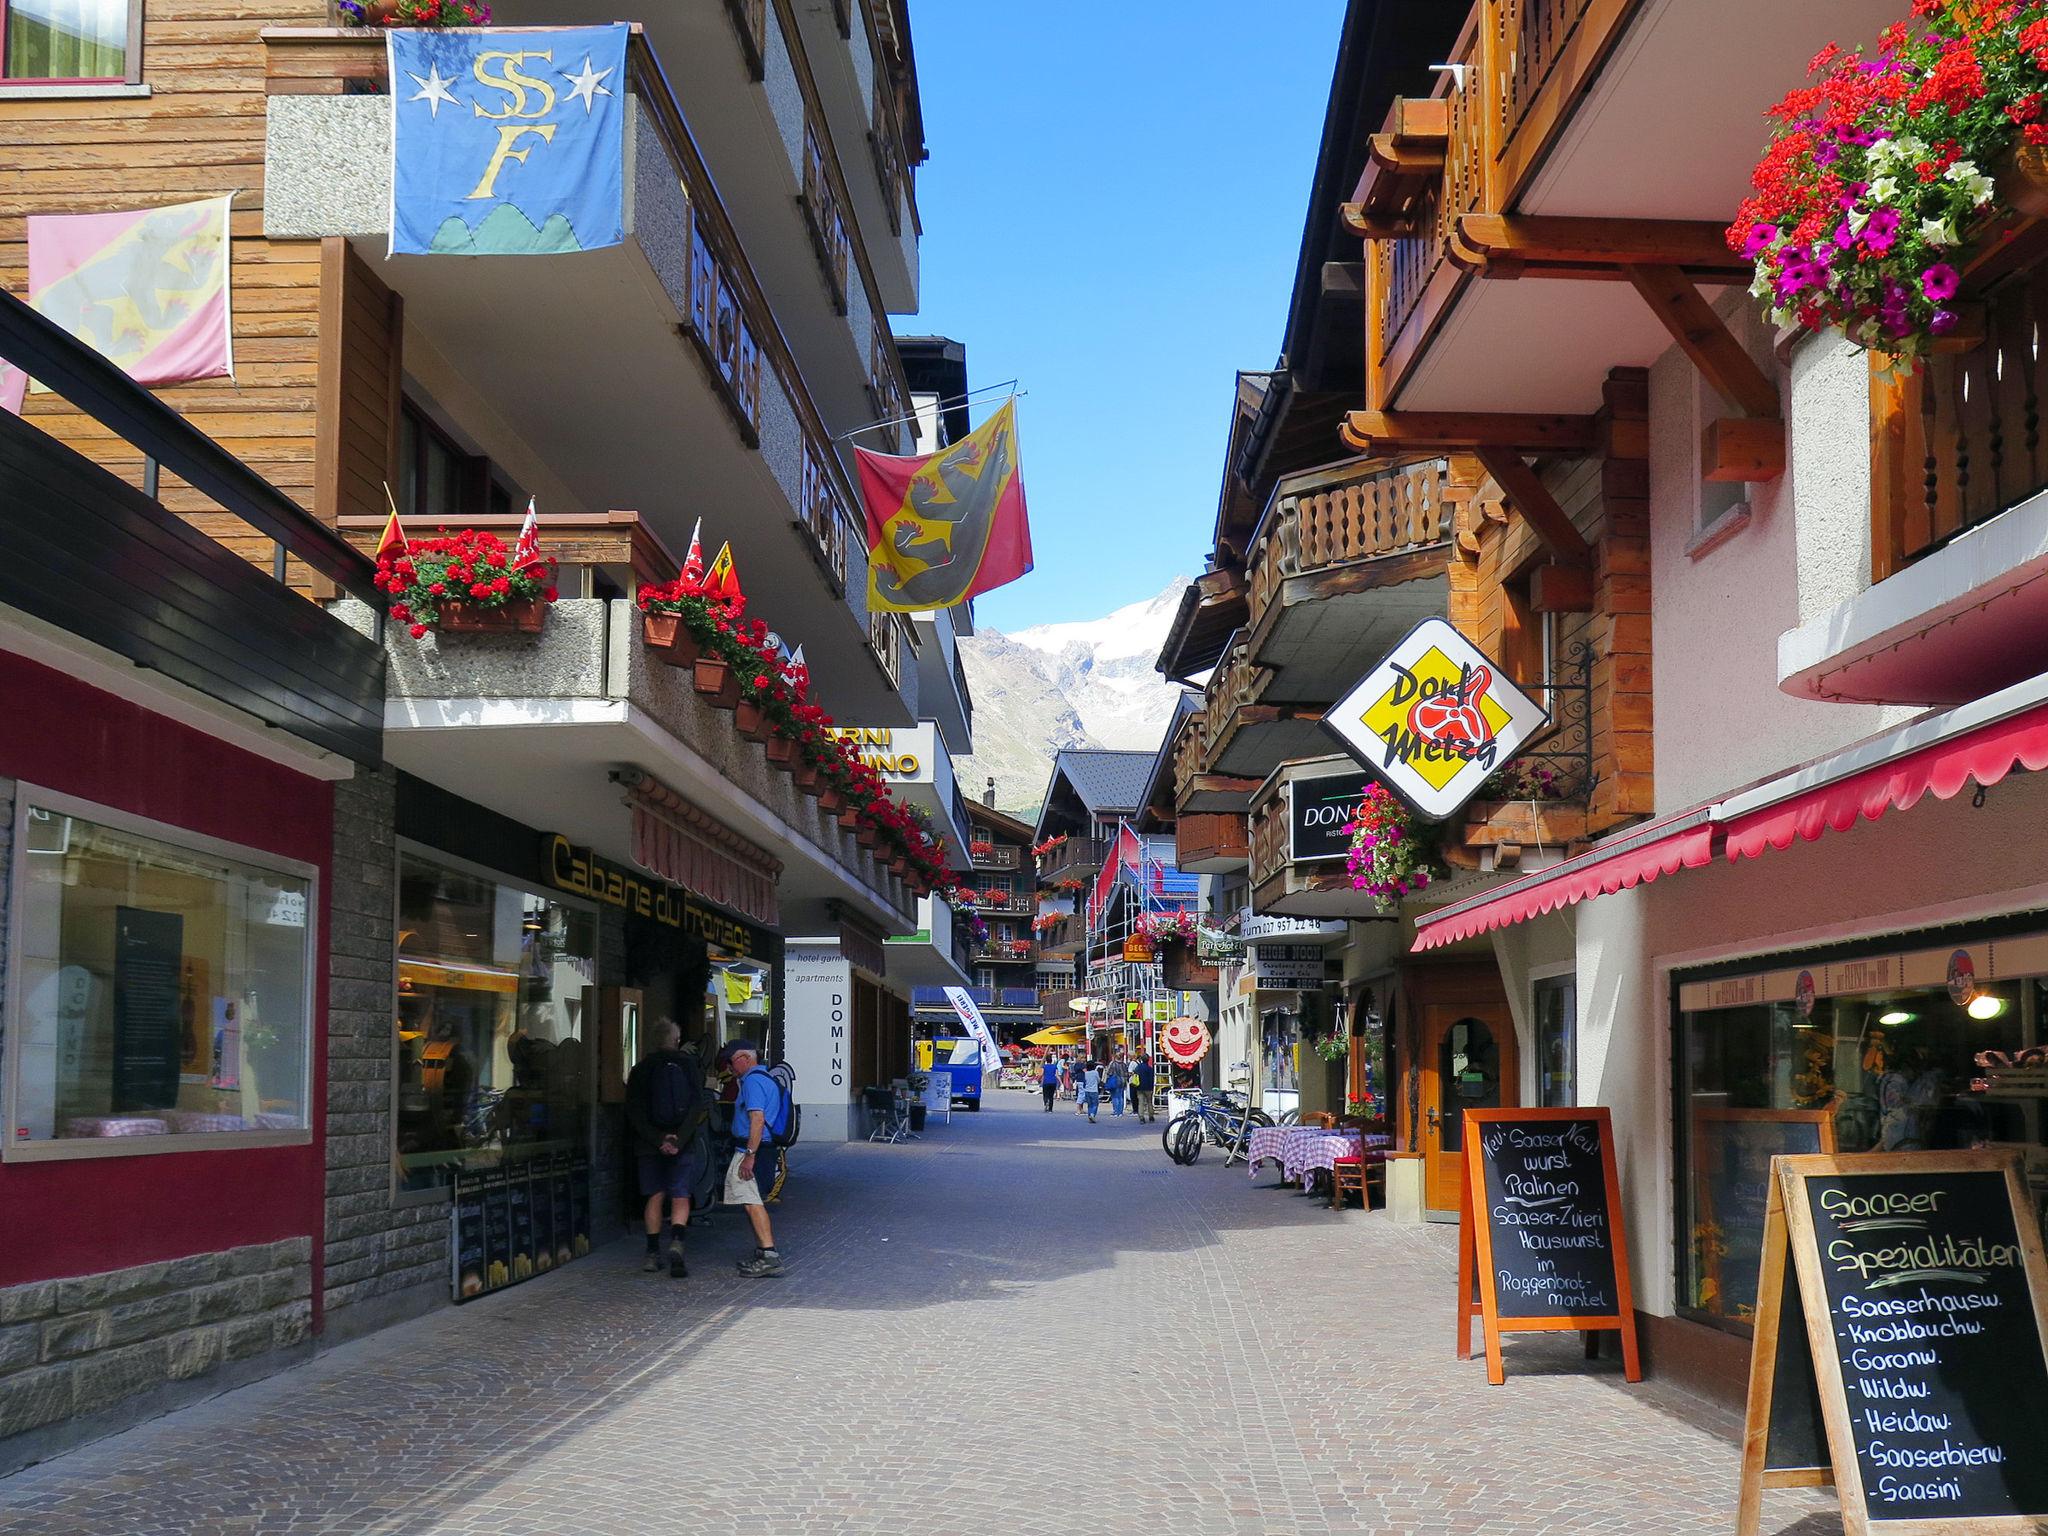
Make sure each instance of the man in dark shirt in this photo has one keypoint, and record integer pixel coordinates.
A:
(667, 1107)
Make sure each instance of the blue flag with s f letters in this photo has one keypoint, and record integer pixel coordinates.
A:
(507, 141)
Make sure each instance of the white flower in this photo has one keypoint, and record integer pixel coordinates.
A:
(1937, 232)
(1762, 285)
(1907, 147)
(1883, 189)
(1857, 218)
(1880, 152)
(1962, 170)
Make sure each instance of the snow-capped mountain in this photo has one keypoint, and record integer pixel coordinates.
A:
(1090, 683)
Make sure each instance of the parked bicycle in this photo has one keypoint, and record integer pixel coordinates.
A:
(1218, 1118)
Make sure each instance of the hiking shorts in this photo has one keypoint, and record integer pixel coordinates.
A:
(675, 1176)
(739, 1191)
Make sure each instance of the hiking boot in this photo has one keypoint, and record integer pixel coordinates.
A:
(763, 1265)
(652, 1262)
(677, 1269)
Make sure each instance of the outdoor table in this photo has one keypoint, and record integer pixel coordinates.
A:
(1303, 1149)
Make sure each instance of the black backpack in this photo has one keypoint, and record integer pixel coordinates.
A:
(674, 1099)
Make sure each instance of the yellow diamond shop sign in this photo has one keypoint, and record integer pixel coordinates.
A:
(1435, 718)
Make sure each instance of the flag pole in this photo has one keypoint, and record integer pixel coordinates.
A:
(938, 405)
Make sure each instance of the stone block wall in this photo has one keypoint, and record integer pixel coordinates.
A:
(382, 1260)
(87, 1354)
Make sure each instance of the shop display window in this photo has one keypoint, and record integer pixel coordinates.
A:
(493, 1063)
(739, 1001)
(1894, 1052)
(1556, 1001)
(160, 987)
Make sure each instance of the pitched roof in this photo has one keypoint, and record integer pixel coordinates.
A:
(1109, 783)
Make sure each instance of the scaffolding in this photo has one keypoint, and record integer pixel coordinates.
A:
(1136, 883)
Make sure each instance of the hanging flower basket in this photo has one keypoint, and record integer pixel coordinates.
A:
(426, 14)
(716, 680)
(752, 721)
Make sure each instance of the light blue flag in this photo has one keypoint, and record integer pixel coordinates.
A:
(507, 141)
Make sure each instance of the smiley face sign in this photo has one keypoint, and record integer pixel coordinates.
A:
(1435, 718)
(1186, 1041)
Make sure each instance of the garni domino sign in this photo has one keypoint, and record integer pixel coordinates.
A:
(1435, 718)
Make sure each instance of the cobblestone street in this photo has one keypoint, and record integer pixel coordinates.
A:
(1023, 1323)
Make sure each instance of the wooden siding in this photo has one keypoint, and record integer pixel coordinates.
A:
(361, 387)
(199, 133)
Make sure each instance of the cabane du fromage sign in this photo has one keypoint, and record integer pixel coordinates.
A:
(1435, 718)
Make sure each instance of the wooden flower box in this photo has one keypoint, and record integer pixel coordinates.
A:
(521, 616)
(716, 680)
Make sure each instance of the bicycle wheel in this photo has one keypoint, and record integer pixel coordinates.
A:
(1169, 1131)
(1260, 1120)
(1291, 1117)
(1187, 1147)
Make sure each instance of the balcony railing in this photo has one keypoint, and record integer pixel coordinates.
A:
(1001, 857)
(885, 392)
(1959, 441)
(1515, 69)
(750, 21)
(1081, 856)
(1188, 756)
(1234, 685)
(998, 901)
(1065, 936)
(826, 219)
(1007, 950)
(1347, 516)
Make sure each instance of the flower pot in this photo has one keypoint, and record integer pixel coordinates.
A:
(2023, 180)
(830, 800)
(715, 680)
(521, 616)
(752, 721)
(805, 773)
(868, 837)
(668, 637)
(849, 820)
(917, 1114)
(782, 753)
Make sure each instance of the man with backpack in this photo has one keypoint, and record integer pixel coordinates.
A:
(760, 1116)
(1143, 1078)
(668, 1110)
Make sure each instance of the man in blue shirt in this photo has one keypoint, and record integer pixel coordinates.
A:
(753, 1154)
(1049, 1079)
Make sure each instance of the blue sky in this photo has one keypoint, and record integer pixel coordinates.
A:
(1112, 210)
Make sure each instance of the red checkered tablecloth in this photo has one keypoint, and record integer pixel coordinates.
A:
(1301, 1149)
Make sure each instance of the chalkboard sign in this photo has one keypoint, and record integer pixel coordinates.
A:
(1540, 1237)
(466, 1249)
(497, 1200)
(148, 1034)
(1924, 1293)
(521, 1200)
(564, 1214)
(1731, 1160)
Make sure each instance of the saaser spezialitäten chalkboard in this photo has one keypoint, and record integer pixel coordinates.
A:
(1541, 1244)
(1924, 1296)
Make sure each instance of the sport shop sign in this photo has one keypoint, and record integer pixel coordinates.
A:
(1435, 718)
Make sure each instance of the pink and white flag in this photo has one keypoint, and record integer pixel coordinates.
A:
(13, 384)
(148, 289)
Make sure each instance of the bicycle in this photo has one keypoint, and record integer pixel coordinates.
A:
(1217, 1117)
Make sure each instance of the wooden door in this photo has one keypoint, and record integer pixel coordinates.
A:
(1465, 1060)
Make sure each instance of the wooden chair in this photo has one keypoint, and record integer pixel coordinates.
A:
(1318, 1119)
(1359, 1173)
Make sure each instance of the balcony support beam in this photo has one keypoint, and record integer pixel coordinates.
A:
(1705, 338)
(1522, 245)
(1532, 498)
(1400, 431)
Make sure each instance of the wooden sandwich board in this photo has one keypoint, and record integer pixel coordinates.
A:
(1541, 1245)
(1902, 1303)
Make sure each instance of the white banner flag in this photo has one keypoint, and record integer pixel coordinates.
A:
(970, 1017)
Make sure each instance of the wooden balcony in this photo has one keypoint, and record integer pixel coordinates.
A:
(1210, 842)
(1469, 148)
(1345, 561)
(1239, 737)
(1320, 888)
(999, 857)
(1077, 856)
(1066, 937)
(618, 548)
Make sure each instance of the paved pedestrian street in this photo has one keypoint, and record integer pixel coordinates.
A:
(1022, 1323)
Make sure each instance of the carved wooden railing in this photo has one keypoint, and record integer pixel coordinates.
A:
(1269, 838)
(826, 219)
(825, 514)
(1345, 516)
(1076, 856)
(1238, 682)
(885, 390)
(1189, 753)
(995, 858)
(1961, 441)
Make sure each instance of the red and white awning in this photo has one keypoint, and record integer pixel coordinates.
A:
(1942, 754)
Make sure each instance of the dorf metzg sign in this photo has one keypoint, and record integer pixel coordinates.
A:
(1435, 718)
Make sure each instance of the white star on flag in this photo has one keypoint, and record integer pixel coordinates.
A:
(587, 86)
(433, 89)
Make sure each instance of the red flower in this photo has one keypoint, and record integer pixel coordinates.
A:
(550, 594)
(438, 588)
(418, 631)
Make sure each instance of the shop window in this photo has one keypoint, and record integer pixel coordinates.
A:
(738, 1001)
(69, 42)
(1556, 1006)
(493, 1067)
(161, 991)
(1768, 1057)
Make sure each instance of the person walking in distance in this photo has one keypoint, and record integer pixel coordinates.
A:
(754, 1153)
(1049, 1080)
(1142, 1081)
(1114, 1078)
(1091, 1089)
(667, 1107)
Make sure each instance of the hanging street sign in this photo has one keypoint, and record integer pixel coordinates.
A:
(1435, 719)
(1319, 815)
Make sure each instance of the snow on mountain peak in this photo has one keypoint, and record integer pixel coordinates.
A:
(1136, 629)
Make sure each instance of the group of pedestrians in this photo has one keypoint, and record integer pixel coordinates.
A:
(1089, 1082)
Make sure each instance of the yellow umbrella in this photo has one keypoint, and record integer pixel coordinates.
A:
(1056, 1037)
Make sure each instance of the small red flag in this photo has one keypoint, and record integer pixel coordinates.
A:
(392, 539)
(723, 579)
(693, 562)
(527, 550)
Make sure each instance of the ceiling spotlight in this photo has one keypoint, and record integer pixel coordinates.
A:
(1897, 1016)
(1987, 1006)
